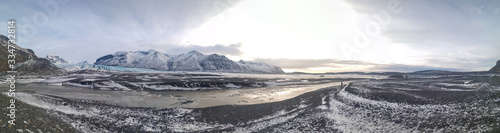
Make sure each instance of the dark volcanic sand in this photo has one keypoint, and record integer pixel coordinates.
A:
(234, 114)
(423, 104)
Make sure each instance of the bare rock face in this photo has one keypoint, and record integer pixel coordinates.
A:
(496, 68)
(26, 62)
(20, 53)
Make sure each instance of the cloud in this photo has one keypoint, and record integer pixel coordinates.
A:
(233, 49)
(461, 33)
(335, 65)
(309, 63)
(409, 68)
(85, 30)
(444, 34)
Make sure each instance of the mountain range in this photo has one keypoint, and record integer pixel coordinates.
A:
(28, 63)
(191, 61)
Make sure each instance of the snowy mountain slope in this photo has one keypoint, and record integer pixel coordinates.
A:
(216, 62)
(39, 66)
(188, 61)
(75, 66)
(86, 66)
(191, 61)
(257, 67)
(56, 59)
(154, 60)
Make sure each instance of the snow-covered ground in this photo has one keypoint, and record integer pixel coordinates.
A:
(117, 102)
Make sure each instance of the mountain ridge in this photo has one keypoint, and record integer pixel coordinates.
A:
(496, 68)
(54, 59)
(26, 62)
(190, 61)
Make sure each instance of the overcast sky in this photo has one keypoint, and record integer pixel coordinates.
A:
(297, 35)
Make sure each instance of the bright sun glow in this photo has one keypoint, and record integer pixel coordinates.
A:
(294, 29)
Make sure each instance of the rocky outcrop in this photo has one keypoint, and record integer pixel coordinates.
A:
(21, 54)
(496, 68)
(26, 62)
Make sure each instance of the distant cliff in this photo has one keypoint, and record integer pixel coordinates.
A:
(496, 68)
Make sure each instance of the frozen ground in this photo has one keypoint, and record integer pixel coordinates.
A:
(215, 102)
(186, 90)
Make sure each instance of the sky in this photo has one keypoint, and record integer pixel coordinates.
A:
(296, 35)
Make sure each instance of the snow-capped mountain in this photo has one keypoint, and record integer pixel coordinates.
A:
(191, 61)
(84, 65)
(150, 59)
(56, 59)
